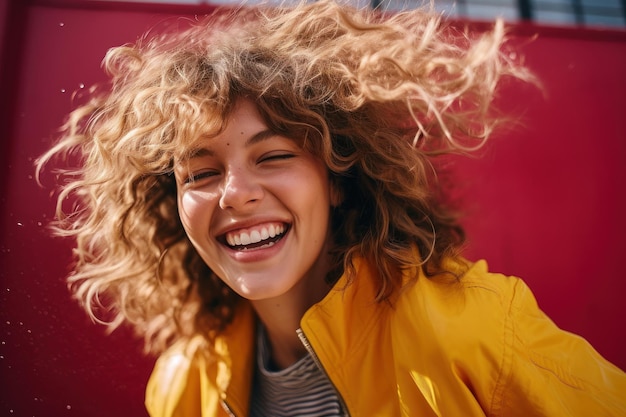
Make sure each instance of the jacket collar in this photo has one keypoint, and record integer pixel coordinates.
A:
(235, 352)
(344, 316)
(335, 326)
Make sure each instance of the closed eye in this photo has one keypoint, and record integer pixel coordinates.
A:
(195, 177)
(274, 156)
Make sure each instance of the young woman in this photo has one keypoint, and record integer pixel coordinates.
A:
(256, 195)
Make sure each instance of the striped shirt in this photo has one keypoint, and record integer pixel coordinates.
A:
(302, 389)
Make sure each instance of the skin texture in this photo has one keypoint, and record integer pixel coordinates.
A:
(246, 183)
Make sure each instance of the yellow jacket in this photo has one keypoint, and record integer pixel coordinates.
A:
(479, 346)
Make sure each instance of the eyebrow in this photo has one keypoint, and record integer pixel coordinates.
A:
(260, 137)
(256, 138)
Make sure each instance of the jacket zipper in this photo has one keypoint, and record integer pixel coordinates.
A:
(309, 348)
(227, 408)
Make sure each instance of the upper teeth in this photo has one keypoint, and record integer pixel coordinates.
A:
(254, 236)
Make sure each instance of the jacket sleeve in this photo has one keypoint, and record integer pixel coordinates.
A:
(549, 372)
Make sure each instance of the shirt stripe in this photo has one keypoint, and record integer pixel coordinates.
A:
(302, 389)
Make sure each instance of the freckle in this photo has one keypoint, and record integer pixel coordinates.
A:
(227, 143)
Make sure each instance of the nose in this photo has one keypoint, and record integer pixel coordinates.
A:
(240, 190)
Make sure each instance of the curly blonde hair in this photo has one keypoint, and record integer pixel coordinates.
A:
(377, 97)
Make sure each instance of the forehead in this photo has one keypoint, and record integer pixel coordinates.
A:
(242, 123)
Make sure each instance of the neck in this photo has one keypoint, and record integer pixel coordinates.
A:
(281, 318)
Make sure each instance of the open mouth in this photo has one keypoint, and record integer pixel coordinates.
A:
(260, 237)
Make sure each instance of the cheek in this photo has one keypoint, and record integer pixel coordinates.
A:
(194, 208)
(311, 192)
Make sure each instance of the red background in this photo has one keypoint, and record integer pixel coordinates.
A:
(546, 202)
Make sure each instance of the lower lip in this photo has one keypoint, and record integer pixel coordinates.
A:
(258, 254)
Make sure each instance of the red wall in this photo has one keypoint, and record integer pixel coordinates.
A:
(546, 202)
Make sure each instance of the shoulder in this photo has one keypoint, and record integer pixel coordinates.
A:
(468, 294)
(461, 324)
(190, 378)
(466, 318)
(179, 358)
(176, 371)
(489, 329)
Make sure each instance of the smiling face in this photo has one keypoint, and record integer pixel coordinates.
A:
(256, 207)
